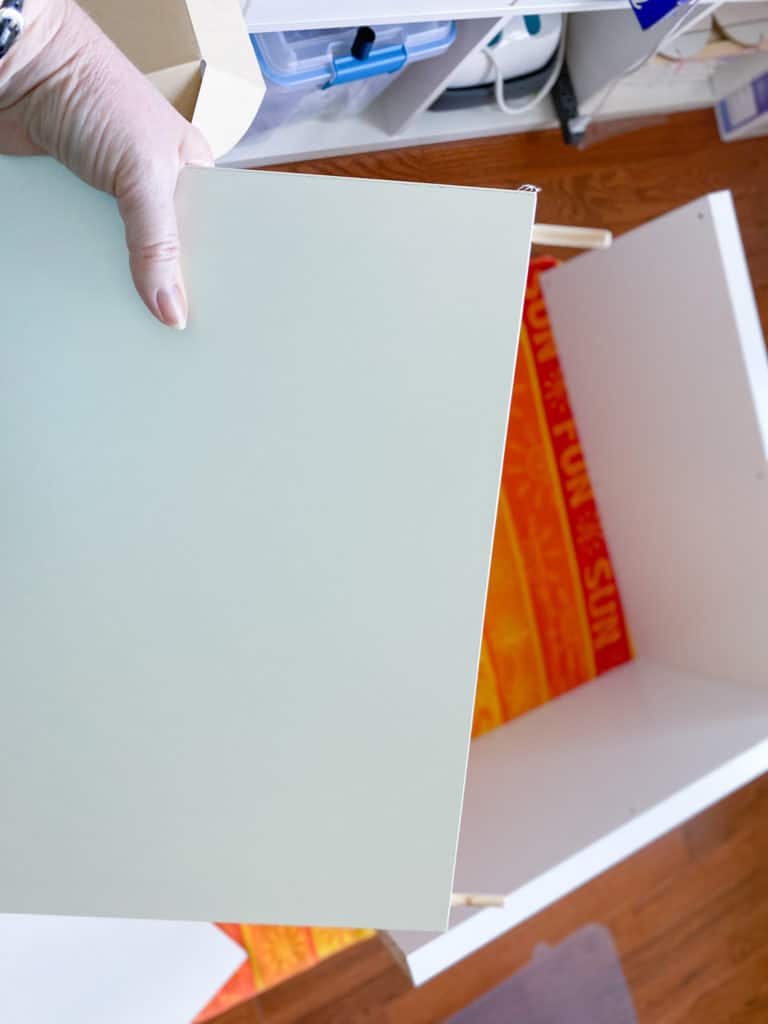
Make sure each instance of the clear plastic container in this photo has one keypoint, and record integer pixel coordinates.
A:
(338, 72)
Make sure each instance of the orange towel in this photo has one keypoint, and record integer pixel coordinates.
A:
(554, 617)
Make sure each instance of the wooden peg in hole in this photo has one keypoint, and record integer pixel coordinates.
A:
(573, 238)
(476, 899)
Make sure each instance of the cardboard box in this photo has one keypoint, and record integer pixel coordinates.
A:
(197, 53)
(742, 90)
(744, 113)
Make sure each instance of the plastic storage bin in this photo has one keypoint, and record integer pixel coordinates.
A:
(337, 72)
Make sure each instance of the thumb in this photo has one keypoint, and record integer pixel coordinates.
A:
(152, 235)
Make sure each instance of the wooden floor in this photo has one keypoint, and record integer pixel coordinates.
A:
(689, 913)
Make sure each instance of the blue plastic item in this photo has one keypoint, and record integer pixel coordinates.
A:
(381, 62)
(338, 72)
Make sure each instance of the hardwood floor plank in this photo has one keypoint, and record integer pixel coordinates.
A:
(308, 996)
(362, 1005)
(696, 949)
(743, 813)
(741, 999)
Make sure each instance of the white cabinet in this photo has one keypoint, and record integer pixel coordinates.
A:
(604, 43)
(666, 368)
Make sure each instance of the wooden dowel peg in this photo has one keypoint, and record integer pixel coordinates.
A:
(572, 238)
(476, 899)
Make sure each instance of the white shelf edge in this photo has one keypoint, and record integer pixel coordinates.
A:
(446, 950)
(689, 742)
(316, 139)
(276, 15)
(306, 140)
(297, 15)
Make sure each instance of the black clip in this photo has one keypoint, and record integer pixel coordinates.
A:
(365, 37)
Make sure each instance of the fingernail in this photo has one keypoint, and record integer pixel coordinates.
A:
(172, 307)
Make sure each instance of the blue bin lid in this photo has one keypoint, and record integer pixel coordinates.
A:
(323, 56)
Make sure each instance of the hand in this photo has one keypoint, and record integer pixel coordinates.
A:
(66, 90)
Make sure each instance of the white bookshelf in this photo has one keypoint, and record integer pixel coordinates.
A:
(603, 43)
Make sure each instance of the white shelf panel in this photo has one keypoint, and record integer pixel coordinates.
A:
(647, 92)
(649, 745)
(307, 139)
(272, 15)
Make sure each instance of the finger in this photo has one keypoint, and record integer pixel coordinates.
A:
(147, 209)
(195, 150)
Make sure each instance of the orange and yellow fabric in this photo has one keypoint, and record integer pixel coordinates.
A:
(553, 619)
(274, 954)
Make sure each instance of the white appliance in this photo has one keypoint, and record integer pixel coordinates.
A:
(525, 45)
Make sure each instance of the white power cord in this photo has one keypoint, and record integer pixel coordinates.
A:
(513, 110)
